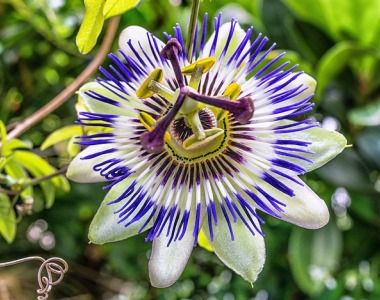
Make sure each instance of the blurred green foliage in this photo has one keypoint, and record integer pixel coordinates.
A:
(336, 41)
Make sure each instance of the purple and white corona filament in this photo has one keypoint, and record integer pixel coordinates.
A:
(201, 147)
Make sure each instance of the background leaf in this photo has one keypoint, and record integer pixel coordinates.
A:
(37, 166)
(333, 62)
(368, 115)
(117, 7)
(7, 219)
(314, 251)
(91, 26)
(62, 134)
(17, 172)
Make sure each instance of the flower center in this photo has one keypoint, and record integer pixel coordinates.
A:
(193, 127)
(180, 129)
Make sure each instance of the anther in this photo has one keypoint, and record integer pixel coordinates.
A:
(205, 64)
(144, 91)
(197, 69)
(148, 122)
(232, 91)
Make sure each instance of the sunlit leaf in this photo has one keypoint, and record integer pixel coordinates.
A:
(17, 172)
(91, 26)
(354, 20)
(314, 255)
(62, 134)
(13, 144)
(3, 161)
(7, 219)
(117, 7)
(3, 133)
(368, 115)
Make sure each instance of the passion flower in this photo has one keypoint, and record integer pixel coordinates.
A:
(201, 146)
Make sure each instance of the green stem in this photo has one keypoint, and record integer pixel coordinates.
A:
(192, 26)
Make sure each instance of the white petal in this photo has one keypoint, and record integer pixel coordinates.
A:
(308, 83)
(245, 254)
(305, 209)
(224, 31)
(81, 170)
(167, 263)
(325, 145)
(97, 106)
(104, 227)
(137, 35)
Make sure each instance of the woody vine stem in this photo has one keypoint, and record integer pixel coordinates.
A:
(64, 95)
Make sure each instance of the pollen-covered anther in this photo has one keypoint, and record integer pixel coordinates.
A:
(232, 91)
(203, 64)
(148, 122)
(145, 90)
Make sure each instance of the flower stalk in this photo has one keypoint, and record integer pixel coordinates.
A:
(192, 26)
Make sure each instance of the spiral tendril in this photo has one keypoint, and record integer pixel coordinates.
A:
(50, 273)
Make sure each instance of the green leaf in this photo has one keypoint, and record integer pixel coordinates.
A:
(49, 192)
(318, 12)
(38, 167)
(314, 250)
(116, 7)
(7, 219)
(91, 26)
(332, 63)
(3, 133)
(368, 115)
(17, 172)
(61, 135)
(3, 161)
(13, 144)
(355, 21)
(368, 143)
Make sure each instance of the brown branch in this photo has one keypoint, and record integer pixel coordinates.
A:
(64, 95)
